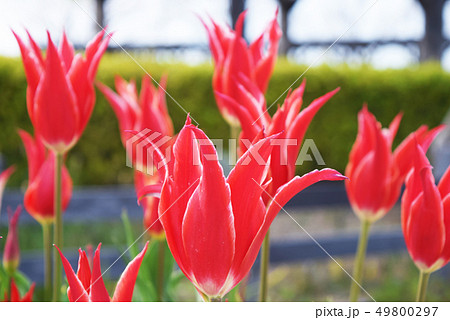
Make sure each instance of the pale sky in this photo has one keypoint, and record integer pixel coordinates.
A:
(141, 22)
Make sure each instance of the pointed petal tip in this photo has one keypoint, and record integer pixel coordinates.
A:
(188, 119)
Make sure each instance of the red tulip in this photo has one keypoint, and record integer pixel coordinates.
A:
(136, 114)
(146, 115)
(4, 176)
(11, 254)
(233, 56)
(288, 121)
(215, 225)
(61, 118)
(149, 204)
(426, 215)
(14, 295)
(39, 200)
(87, 284)
(375, 173)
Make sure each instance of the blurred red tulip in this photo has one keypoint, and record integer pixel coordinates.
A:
(148, 111)
(215, 225)
(4, 176)
(39, 200)
(146, 115)
(14, 295)
(87, 284)
(426, 215)
(11, 254)
(149, 204)
(375, 173)
(232, 57)
(61, 118)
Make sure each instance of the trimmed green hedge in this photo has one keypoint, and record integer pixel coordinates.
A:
(422, 92)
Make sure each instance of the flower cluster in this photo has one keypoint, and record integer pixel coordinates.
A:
(214, 225)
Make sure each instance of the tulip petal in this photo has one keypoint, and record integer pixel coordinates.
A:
(393, 127)
(94, 52)
(36, 50)
(98, 291)
(214, 43)
(119, 106)
(14, 294)
(151, 202)
(66, 52)
(28, 297)
(248, 209)
(4, 176)
(35, 151)
(264, 67)
(405, 152)
(84, 270)
(445, 255)
(177, 190)
(216, 227)
(75, 292)
(298, 128)
(33, 65)
(444, 184)
(293, 102)
(125, 285)
(152, 190)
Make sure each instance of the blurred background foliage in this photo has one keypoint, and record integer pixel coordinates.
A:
(421, 92)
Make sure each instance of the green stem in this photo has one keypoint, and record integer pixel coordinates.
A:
(217, 299)
(265, 255)
(234, 135)
(359, 261)
(58, 229)
(160, 276)
(422, 287)
(46, 231)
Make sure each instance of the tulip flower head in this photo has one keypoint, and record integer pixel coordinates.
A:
(214, 224)
(11, 254)
(87, 284)
(147, 116)
(375, 173)
(60, 92)
(39, 201)
(232, 56)
(4, 176)
(426, 215)
(14, 295)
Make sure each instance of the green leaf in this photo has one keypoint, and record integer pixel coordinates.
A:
(130, 239)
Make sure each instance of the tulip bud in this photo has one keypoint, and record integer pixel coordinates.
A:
(39, 197)
(11, 255)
